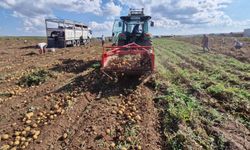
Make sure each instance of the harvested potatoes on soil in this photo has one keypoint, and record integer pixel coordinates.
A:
(129, 62)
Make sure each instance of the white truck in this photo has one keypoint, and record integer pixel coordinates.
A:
(62, 33)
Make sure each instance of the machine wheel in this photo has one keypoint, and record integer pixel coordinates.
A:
(74, 43)
(78, 43)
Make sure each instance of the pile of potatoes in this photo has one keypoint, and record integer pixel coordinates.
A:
(129, 112)
(32, 122)
(129, 62)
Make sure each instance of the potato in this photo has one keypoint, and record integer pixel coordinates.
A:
(18, 137)
(24, 133)
(5, 137)
(63, 111)
(28, 122)
(29, 115)
(108, 131)
(34, 125)
(27, 129)
(51, 117)
(5, 147)
(26, 144)
(37, 133)
(23, 139)
(59, 111)
(35, 137)
(56, 106)
(13, 148)
(40, 114)
(139, 147)
(29, 139)
(17, 133)
(138, 117)
(17, 142)
(120, 112)
(51, 112)
(123, 148)
(65, 135)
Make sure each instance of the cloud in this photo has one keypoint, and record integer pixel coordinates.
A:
(110, 9)
(105, 26)
(33, 13)
(167, 14)
(174, 13)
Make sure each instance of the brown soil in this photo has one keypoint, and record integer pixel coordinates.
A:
(77, 108)
(216, 44)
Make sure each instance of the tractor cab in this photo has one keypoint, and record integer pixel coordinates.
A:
(131, 52)
(133, 28)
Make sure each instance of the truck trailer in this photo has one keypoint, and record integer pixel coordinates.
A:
(62, 33)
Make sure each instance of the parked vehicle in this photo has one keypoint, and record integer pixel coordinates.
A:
(62, 33)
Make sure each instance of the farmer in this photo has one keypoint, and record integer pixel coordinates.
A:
(103, 40)
(205, 43)
(42, 47)
(237, 44)
(136, 29)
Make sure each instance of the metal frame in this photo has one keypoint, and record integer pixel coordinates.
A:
(64, 21)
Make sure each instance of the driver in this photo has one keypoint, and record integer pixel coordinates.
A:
(136, 29)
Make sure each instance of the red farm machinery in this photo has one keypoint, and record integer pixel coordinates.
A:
(132, 51)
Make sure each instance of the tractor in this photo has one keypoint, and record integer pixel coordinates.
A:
(131, 51)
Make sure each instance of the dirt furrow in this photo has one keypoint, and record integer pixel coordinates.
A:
(53, 134)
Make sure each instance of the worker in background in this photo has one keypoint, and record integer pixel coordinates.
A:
(237, 44)
(205, 43)
(42, 47)
(103, 40)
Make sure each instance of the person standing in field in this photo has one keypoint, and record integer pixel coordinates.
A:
(205, 43)
(42, 47)
(103, 40)
(237, 44)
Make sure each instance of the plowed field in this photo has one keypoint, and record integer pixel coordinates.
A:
(61, 100)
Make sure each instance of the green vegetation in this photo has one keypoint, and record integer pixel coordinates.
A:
(6, 95)
(200, 86)
(34, 78)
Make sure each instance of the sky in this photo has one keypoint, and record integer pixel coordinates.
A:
(178, 17)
